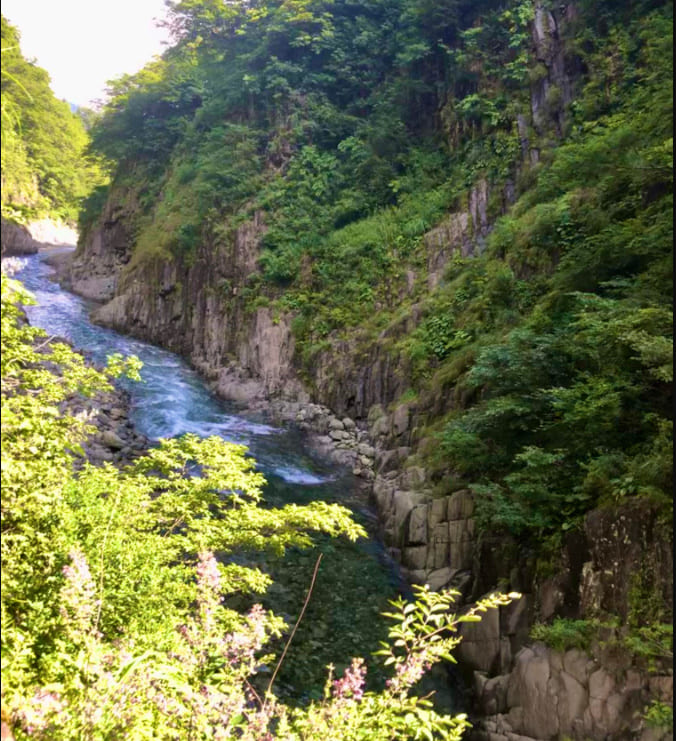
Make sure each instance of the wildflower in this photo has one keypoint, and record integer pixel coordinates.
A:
(352, 683)
(77, 595)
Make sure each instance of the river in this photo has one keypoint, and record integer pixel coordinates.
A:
(172, 399)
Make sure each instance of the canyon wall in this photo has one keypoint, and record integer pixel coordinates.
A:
(352, 397)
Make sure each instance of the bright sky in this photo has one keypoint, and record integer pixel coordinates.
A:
(84, 43)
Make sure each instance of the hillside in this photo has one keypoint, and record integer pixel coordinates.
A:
(451, 222)
(44, 170)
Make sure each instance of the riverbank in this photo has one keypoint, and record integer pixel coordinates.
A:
(436, 540)
(26, 239)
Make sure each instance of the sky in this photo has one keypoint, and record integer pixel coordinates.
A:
(84, 43)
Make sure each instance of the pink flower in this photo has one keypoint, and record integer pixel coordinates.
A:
(352, 683)
(78, 592)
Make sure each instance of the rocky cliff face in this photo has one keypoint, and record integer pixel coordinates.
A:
(18, 239)
(197, 308)
(194, 308)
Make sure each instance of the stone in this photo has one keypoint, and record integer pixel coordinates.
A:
(505, 654)
(391, 460)
(16, 239)
(438, 546)
(515, 616)
(437, 511)
(380, 427)
(601, 685)
(349, 424)
(529, 689)
(402, 504)
(337, 434)
(494, 696)
(479, 680)
(656, 734)
(460, 505)
(662, 688)
(417, 526)
(480, 646)
(417, 576)
(578, 665)
(335, 424)
(440, 578)
(460, 545)
(366, 450)
(503, 724)
(400, 420)
(376, 411)
(414, 558)
(99, 453)
(515, 714)
(413, 477)
(572, 701)
(112, 440)
(551, 596)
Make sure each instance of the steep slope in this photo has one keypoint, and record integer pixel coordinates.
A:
(452, 223)
(44, 172)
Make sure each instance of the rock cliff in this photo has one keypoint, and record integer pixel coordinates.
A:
(352, 397)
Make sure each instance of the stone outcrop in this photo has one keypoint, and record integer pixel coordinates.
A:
(96, 267)
(553, 695)
(16, 240)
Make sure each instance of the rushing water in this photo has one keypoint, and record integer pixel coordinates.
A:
(172, 399)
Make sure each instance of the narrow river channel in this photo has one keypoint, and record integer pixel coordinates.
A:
(357, 580)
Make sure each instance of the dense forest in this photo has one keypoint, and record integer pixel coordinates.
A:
(44, 168)
(478, 194)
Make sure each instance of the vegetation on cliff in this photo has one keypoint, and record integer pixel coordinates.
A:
(44, 169)
(356, 127)
(117, 619)
(482, 191)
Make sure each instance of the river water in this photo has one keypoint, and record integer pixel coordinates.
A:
(171, 400)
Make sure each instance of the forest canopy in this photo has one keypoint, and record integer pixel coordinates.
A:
(44, 168)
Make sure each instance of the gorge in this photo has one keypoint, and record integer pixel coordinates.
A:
(437, 239)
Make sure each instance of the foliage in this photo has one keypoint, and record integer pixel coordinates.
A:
(116, 614)
(651, 643)
(44, 171)
(563, 634)
(659, 715)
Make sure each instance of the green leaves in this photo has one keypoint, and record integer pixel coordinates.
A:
(44, 168)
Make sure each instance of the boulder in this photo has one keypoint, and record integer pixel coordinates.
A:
(440, 578)
(529, 688)
(112, 440)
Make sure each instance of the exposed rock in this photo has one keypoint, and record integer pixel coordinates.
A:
(460, 505)
(400, 419)
(530, 689)
(440, 578)
(480, 647)
(417, 526)
(112, 440)
(625, 542)
(414, 558)
(16, 240)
